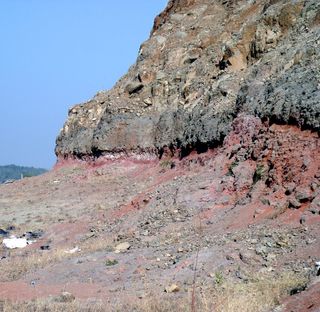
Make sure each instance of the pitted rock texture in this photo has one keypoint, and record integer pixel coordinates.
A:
(204, 64)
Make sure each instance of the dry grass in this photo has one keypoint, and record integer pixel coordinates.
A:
(50, 305)
(258, 295)
(97, 244)
(262, 292)
(16, 266)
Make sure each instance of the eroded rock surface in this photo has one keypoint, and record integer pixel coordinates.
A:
(206, 62)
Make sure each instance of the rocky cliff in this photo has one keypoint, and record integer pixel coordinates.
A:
(204, 64)
(227, 95)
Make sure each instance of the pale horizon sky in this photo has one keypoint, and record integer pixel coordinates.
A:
(55, 54)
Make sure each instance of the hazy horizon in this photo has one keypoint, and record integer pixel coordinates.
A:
(58, 54)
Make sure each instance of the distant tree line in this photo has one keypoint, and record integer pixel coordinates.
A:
(13, 172)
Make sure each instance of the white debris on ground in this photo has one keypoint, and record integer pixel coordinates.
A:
(73, 250)
(14, 242)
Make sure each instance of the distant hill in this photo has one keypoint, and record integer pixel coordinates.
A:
(13, 172)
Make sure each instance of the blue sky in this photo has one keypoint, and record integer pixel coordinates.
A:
(57, 53)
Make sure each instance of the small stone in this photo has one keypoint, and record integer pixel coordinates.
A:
(293, 203)
(239, 274)
(269, 244)
(315, 205)
(310, 241)
(317, 265)
(147, 102)
(267, 269)
(303, 194)
(45, 247)
(122, 247)
(3, 233)
(73, 250)
(271, 257)
(271, 36)
(261, 250)
(306, 162)
(141, 295)
(302, 219)
(248, 257)
(290, 187)
(314, 186)
(282, 243)
(161, 75)
(172, 288)
(133, 87)
(264, 201)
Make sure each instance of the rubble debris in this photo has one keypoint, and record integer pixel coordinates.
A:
(45, 247)
(317, 264)
(73, 250)
(14, 242)
(33, 235)
(3, 233)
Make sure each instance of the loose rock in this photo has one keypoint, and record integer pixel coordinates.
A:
(122, 247)
(172, 288)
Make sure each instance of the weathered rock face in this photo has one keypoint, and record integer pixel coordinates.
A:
(204, 64)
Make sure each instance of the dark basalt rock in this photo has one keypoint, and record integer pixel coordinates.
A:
(203, 65)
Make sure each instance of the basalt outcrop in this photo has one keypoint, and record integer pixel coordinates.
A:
(193, 184)
(204, 64)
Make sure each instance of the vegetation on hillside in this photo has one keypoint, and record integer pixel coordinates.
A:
(13, 172)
